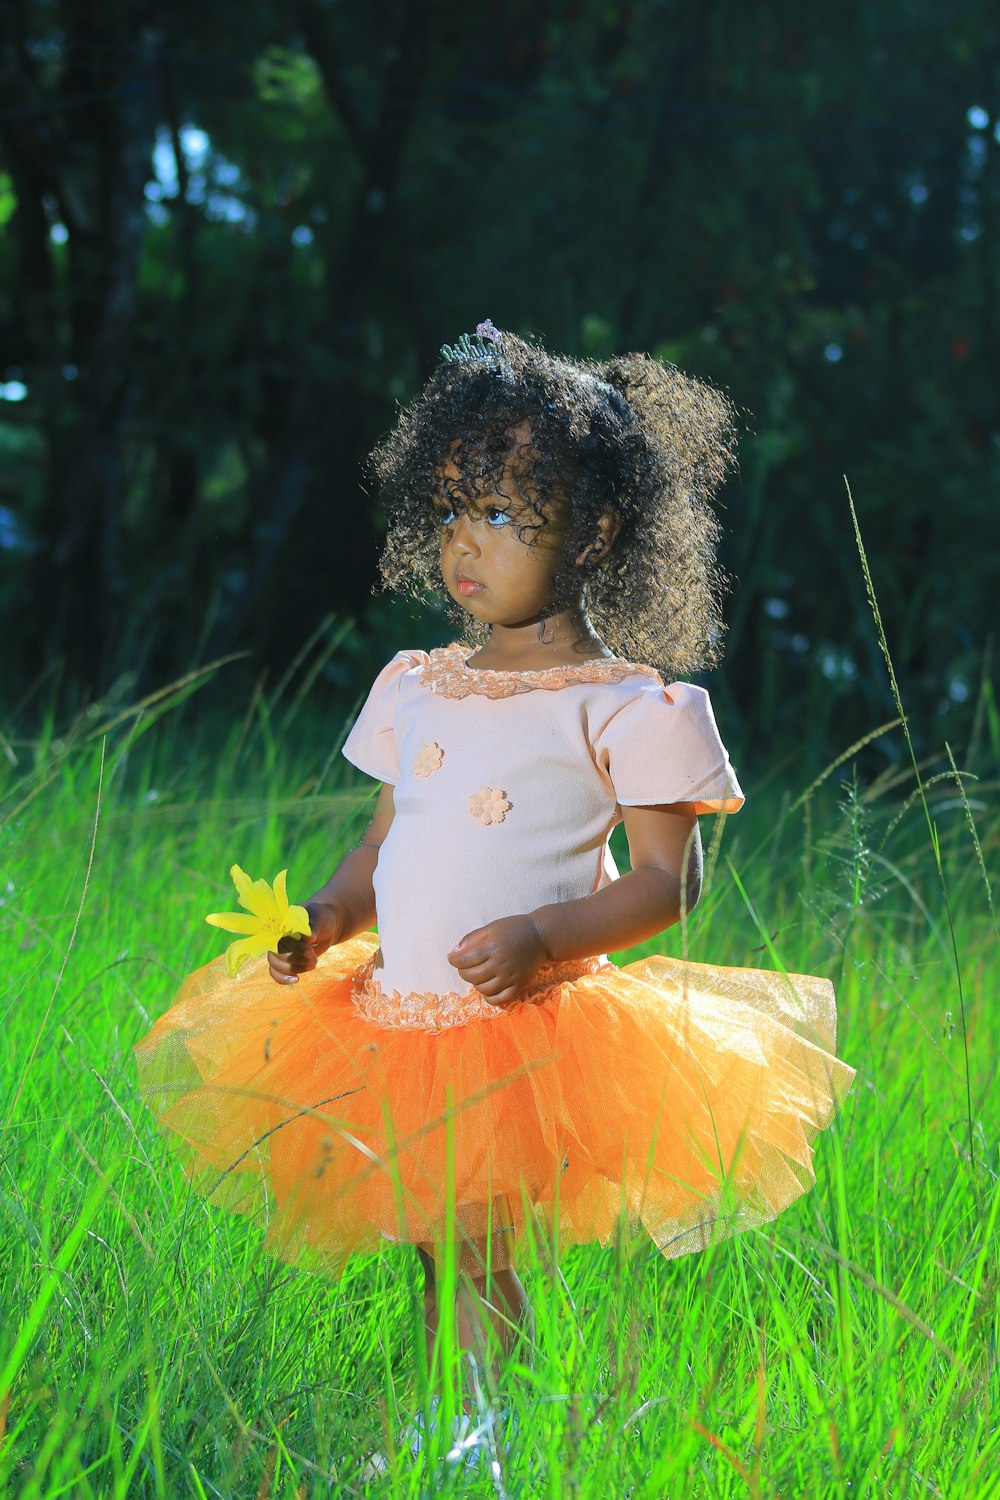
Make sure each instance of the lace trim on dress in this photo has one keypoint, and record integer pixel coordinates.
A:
(448, 674)
(425, 1010)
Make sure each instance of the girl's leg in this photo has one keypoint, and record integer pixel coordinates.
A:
(494, 1313)
(489, 1315)
(493, 1316)
(430, 1304)
(431, 1318)
(474, 1318)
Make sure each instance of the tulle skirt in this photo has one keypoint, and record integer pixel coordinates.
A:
(679, 1100)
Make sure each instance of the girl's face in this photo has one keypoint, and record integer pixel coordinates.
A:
(486, 567)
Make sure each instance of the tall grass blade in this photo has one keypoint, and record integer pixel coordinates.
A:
(69, 947)
(932, 828)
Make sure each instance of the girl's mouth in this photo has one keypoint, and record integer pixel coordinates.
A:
(468, 586)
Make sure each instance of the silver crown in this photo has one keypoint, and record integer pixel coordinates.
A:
(483, 344)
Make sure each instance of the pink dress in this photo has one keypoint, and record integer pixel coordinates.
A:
(507, 787)
(382, 1098)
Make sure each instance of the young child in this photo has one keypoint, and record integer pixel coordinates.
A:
(480, 1062)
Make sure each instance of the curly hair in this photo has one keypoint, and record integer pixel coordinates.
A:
(632, 436)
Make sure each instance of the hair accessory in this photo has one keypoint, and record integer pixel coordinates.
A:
(484, 344)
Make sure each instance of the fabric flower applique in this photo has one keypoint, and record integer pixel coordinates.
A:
(427, 759)
(267, 918)
(489, 804)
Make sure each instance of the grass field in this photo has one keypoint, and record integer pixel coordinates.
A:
(147, 1347)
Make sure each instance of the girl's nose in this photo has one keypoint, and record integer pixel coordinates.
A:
(463, 536)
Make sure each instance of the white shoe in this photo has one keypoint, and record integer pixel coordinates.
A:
(465, 1438)
(415, 1434)
(482, 1442)
(413, 1437)
(376, 1464)
(471, 1440)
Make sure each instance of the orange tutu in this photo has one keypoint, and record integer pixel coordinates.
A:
(679, 1098)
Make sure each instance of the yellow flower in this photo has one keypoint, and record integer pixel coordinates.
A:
(269, 918)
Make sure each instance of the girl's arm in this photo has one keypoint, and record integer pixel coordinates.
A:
(663, 843)
(504, 956)
(344, 906)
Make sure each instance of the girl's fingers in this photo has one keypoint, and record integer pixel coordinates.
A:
(492, 985)
(470, 949)
(281, 963)
(470, 968)
(478, 975)
(464, 958)
(496, 990)
(284, 963)
(503, 997)
(474, 973)
(471, 960)
(294, 946)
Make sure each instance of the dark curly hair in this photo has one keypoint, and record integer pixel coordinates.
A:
(632, 436)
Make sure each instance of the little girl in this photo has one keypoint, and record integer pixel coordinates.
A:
(479, 1070)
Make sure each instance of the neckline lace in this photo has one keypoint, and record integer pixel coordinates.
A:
(448, 673)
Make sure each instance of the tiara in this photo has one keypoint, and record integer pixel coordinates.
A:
(484, 344)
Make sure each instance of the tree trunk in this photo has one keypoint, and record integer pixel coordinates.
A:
(77, 576)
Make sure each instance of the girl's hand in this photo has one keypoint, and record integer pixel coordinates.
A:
(500, 959)
(297, 956)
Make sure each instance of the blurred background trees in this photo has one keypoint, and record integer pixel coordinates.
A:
(235, 235)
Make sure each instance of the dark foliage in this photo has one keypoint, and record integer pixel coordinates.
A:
(234, 238)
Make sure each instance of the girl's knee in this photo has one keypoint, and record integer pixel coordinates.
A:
(504, 1289)
(509, 1284)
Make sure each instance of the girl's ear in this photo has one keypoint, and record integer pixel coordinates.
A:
(608, 527)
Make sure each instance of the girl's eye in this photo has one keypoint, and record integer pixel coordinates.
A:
(496, 516)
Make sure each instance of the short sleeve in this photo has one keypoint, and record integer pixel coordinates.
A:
(371, 744)
(663, 746)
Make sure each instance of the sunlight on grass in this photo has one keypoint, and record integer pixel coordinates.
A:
(147, 1347)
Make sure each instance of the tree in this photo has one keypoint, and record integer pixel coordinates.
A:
(236, 237)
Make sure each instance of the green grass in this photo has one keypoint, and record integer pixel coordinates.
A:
(147, 1347)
